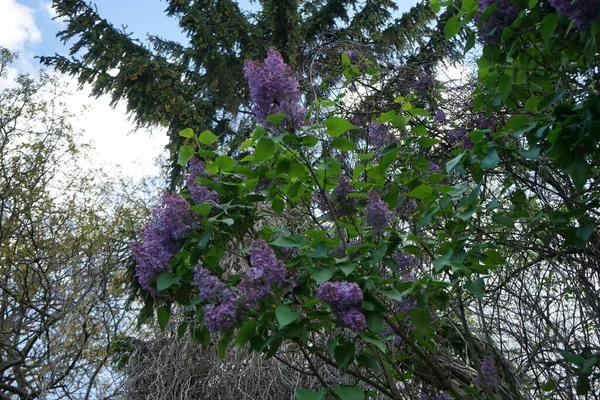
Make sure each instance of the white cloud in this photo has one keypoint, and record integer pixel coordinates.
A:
(51, 13)
(17, 25)
(117, 145)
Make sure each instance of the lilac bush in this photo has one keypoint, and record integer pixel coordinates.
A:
(170, 222)
(274, 89)
(200, 193)
(345, 298)
(380, 136)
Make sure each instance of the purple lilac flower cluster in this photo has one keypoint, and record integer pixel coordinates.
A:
(266, 272)
(583, 12)
(200, 193)
(404, 261)
(346, 299)
(488, 373)
(221, 316)
(170, 222)
(434, 168)
(380, 136)
(460, 135)
(439, 116)
(274, 89)
(424, 85)
(344, 206)
(377, 214)
(504, 15)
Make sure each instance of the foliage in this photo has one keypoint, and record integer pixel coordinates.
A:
(455, 258)
(63, 251)
(201, 84)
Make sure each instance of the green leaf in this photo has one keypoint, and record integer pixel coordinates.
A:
(476, 287)
(163, 315)
(452, 26)
(392, 294)
(306, 394)
(207, 138)
(349, 392)
(491, 159)
(165, 280)
(579, 171)
(548, 26)
(320, 251)
(321, 275)
(503, 220)
(225, 163)
(344, 144)
(516, 122)
(202, 209)
(337, 126)
(187, 133)
(421, 192)
(223, 345)
(185, 153)
(289, 241)
(264, 150)
(278, 205)
(505, 87)
(551, 99)
(285, 315)
(428, 142)
(275, 119)
(468, 5)
(420, 319)
(245, 333)
(374, 341)
(450, 165)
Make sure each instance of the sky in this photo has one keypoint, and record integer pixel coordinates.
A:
(27, 27)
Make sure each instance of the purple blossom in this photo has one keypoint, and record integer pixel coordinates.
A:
(200, 193)
(504, 15)
(170, 222)
(211, 288)
(434, 168)
(460, 135)
(439, 116)
(377, 214)
(353, 55)
(274, 89)
(424, 85)
(380, 136)
(221, 317)
(583, 12)
(404, 261)
(341, 296)
(344, 205)
(266, 272)
(352, 319)
(488, 373)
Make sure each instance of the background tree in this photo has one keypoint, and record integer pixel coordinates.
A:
(200, 84)
(63, 252)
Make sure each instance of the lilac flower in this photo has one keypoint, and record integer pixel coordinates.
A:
(460, 135)
(221, 317)
(200, 194)
(434, 168)
(439, 116)
(380, 136)
(488, 373)
(504, 15)
(344, 205)
(404, 261)
(170, 222)
(266, 272)
(274, 89)
(484, 121)
(583, 12)
(377, 214)
(353, 319)
(341, 296)
(441, 396)
(423, 85)
(389, 333)
(353, 55)
(211, 288)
